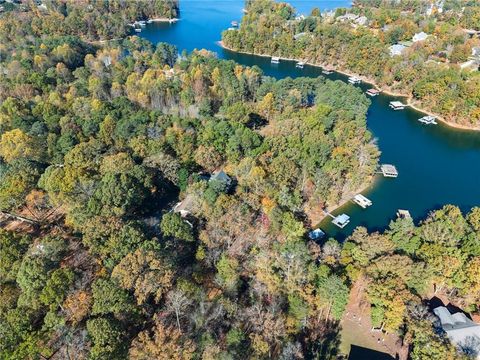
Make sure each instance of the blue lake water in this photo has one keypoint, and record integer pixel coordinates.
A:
(437, 165)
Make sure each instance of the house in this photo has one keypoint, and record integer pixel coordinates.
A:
(221, 177)
(421, 36)
(461, 331)
(184, 207)
(397, 49)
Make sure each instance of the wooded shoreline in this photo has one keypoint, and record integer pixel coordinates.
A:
(367, 80)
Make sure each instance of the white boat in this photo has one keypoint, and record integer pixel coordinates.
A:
(354, 80)
(300, 64)
(142, 23)
(149, 21)
(275, 60)
(138, 30)
(234, 23)
(327, 72)
(429, 119)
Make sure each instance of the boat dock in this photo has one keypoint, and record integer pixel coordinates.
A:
(389, 170)
(372, 92)
(362, 201)
(275, 60)
(316, 234)
(397, 105)
(234, 24)
(300, 65)
(341, 220)
(327, 72)
(428, 120)
(403, 214)
(354, 80)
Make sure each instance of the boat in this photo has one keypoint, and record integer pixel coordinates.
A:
(397, 105)
(275, 60)
(234, 23)
(327, 72)
(142, 23)
(372, 92)
(354, 80)
(138, 30)
(149, 21)
(300, 64)
(429, 119)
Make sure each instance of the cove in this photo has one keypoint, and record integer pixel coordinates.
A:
(437, 165)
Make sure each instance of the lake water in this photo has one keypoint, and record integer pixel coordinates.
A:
(437, 165)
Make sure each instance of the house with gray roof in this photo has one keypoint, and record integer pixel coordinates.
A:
(461, 331)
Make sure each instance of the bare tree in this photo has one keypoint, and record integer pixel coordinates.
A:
(177, 302)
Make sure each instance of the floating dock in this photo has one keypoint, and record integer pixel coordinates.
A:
(403, 214)
(389, 170)
(362, 201)
(397, 105)
(300, 64)
(341, 220)
(316, 234)
(354, 80)
(428, 120)
(327, 72)
(372, 92)
(275, 60)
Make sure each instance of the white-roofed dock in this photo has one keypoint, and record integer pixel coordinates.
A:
(362, 201)
(389, 170)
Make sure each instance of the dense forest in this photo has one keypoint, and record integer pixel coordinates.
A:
(98, 142)
(88, 19)
(427, 71)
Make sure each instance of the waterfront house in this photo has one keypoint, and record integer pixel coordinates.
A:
(461, 331)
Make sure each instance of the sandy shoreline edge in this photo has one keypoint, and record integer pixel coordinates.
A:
(366, 80)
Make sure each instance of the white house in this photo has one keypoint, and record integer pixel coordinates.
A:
(397, 49)
(421, 36)
(461, 331)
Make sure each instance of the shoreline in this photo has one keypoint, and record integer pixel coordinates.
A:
(343, 202)
(366, 80)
